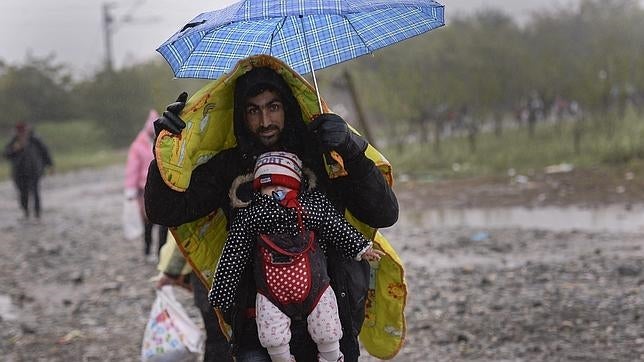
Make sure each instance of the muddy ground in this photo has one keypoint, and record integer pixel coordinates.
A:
(72, 289)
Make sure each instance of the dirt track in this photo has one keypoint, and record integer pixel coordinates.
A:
(74, 290)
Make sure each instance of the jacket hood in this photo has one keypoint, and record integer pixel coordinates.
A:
(212, 125)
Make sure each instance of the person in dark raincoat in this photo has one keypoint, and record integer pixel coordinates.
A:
(29, 158)
(268, 117)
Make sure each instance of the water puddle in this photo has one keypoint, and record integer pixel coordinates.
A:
(617, 218)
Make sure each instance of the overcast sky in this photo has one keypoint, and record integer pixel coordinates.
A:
(72, 30)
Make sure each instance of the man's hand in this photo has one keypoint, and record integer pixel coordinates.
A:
(164, 279)
(170, 120)
(334, 134)
(372, 254)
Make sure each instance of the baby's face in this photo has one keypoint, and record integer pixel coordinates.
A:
(268, 190)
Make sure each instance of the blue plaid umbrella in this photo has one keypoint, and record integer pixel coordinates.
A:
(306, 35)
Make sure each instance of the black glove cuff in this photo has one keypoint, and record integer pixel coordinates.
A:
(158, 127)
(353, 148)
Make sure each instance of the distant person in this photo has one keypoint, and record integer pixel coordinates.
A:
(29, 158)
(285, 230)
(136, 172)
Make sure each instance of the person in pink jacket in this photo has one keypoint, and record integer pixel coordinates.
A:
(136, 171)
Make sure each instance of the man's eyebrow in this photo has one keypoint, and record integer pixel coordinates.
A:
(272, 100)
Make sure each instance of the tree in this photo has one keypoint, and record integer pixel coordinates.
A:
(119, 101)
(35, 92)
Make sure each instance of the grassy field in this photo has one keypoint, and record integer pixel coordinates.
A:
(77, 144)
(599, 145)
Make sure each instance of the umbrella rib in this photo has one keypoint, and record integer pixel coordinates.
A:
(275, 31)
(358, 34)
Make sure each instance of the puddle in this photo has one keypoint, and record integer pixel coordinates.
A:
(8, 311)
(616, 218)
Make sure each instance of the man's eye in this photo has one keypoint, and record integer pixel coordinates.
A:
(251, 111)
(275, 106)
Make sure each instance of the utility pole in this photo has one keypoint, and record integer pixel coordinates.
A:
(108, 22)
(111, 25)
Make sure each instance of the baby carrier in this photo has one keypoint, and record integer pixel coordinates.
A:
(291, 271)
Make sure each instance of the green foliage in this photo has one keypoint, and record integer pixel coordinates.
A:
(34, 92)
(484, 63)
(76, 136)
(551, 145)
(119, 102)
(116, 103)
(489, 65)
(73, 145)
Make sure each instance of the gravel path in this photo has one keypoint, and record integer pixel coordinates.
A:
(74, 290)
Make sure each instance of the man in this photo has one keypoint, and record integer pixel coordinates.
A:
(267, 117)
(29, 158)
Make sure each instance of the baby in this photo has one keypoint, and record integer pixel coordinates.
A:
(284, 230)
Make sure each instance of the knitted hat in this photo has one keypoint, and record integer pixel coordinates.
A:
(278, 168)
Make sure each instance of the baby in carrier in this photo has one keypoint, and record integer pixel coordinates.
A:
(284, 230)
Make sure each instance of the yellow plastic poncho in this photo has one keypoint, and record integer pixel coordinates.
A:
(209, 129)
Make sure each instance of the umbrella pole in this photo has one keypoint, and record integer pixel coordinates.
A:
(308, 55)
(315, 83)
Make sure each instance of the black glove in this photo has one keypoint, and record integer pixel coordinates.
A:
(334, 135)
(170, 120)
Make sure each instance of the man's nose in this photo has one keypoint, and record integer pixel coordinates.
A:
(265, 118)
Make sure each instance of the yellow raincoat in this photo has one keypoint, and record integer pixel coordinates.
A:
(209, 129)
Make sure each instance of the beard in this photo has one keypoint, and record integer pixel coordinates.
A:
(268, 140)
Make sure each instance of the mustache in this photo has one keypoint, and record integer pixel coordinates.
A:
(269, 128)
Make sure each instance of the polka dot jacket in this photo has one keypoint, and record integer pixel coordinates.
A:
(264, 215)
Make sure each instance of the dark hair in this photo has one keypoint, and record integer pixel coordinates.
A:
(294, 136)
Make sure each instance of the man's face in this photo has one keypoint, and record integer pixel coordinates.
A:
(264, 116)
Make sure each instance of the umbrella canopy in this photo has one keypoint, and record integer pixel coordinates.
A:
(306, 35)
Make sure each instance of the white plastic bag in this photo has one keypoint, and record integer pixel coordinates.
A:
(131, 219)
(170, 335)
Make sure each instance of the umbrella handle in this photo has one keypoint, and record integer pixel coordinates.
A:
(315, 84)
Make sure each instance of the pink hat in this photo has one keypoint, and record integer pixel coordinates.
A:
(278, 168)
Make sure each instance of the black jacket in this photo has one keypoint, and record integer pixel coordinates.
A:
(29, 161)
(266, 216)
(364, 192)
